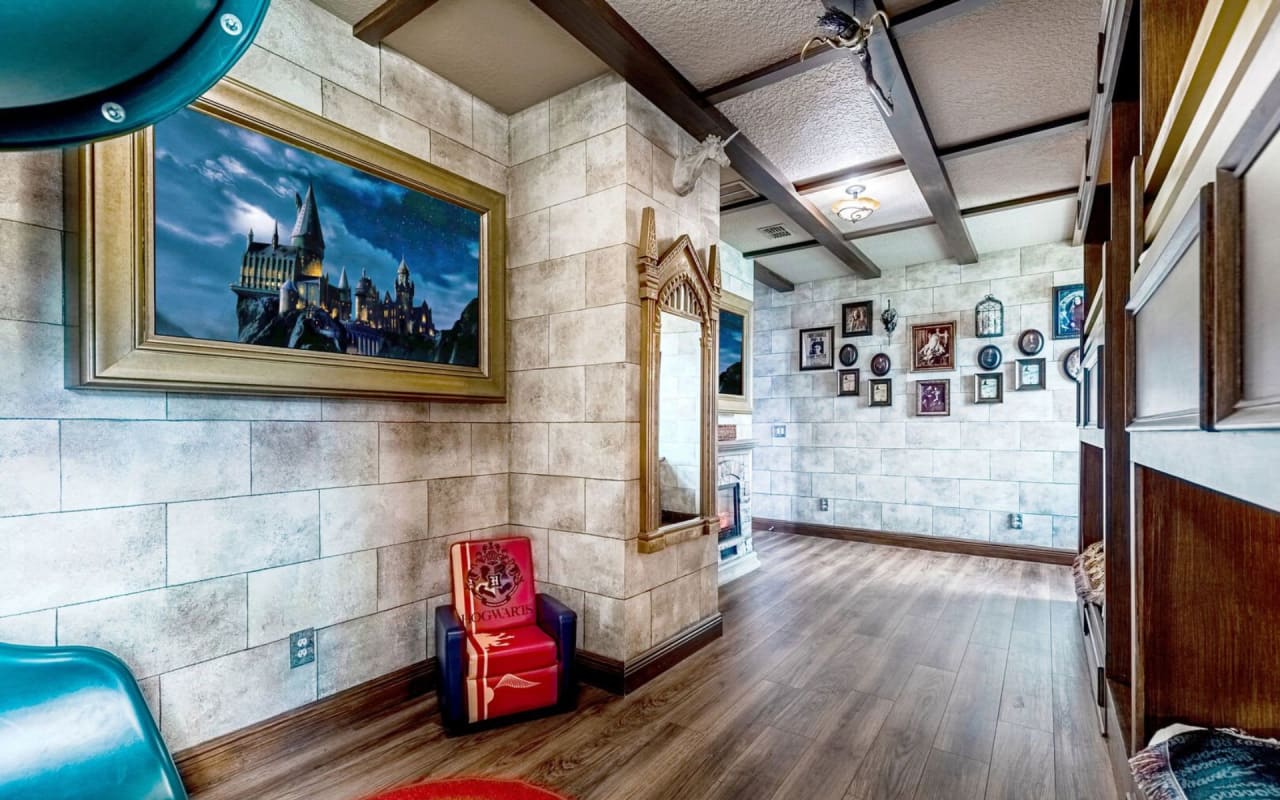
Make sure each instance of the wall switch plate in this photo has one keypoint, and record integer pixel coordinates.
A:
(779, 431)
(1015, 522)
(302, 648)
(824, 504)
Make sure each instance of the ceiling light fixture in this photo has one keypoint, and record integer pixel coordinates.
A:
(855, 207)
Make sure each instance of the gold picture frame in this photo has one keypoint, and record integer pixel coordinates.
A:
(111, 273)
(738, 403)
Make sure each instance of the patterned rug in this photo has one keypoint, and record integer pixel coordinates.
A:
(469, 789)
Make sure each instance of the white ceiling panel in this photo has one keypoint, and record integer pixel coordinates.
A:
(740, 228)
(1006, 65)
(1018, 170)
(1042, 223)
(802, 266)
(899, 196)
(350, 10)
(815, 123)
(900, 248)
(712, 41)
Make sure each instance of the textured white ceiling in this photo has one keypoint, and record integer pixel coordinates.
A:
(1005, 65)
(1053, 221)
(711, 41)
(818, 122)
(350, 10)
(899, 196)
(1018, 170)
(739, 228)
(900, 248)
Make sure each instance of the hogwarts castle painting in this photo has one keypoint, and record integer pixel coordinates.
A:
(366, 267)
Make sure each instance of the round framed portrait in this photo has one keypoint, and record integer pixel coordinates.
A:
(880, 365)
(1031, 342)
(990, 357)
(848, 355)
(1071, 364)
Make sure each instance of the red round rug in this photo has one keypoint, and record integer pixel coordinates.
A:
(469, 789)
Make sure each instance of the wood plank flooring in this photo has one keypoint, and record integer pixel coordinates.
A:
(848, 671)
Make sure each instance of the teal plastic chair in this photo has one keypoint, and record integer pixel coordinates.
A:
(74, 726)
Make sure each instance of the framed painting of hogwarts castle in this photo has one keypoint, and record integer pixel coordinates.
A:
(243, 245)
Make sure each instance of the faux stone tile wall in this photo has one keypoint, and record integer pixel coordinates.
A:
(584, 165)
(191, 534)
(887, 469)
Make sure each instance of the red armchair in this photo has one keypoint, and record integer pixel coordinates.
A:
(502, 649)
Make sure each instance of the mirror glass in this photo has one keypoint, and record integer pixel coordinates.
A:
(679, 419)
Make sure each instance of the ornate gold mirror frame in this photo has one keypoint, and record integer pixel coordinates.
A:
(676, 282)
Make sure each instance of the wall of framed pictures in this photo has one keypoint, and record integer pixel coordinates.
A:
(964, 415)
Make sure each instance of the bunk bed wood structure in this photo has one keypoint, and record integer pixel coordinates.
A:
(1179, 215)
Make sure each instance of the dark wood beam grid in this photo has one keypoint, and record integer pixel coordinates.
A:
(602, 31)
(388, 18)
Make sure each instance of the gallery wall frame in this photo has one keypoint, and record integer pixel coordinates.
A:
(732, 305)
(933, 347)
(1238, 343)
(880, 391)
(112, 272)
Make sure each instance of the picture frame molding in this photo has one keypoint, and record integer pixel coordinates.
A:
(870, 307)
(857, 382)
(871, 391)
(110, 218)
(1058, 291)
(729, 403)
(946, 384)
(951, 346)
(1019, 385)
(831, 342)
(977, 383)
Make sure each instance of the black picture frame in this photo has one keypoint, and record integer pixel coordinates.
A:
(878, 397)
(856, 319)
(981, 382)
(990, 357)
(848, 355)
(1021, 375)
(988, 318)
(1073, 356)
(848, 382)
(1031, 342)
(811, 338)
(933, 398)
(881, 364)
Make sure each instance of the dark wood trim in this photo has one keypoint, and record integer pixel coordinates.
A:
(911, 133)
(772, 279)
(892, 165)
(387, 19)
(613, 676)
(220, 759)
(989, 208)
(1116, 48)
(781, 249)
(940, 544)
(743, 205)
(903, 24)
(604, 32)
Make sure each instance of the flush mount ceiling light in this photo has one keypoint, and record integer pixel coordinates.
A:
(855, 207)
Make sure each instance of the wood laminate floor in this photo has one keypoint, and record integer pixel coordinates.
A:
(847, 671)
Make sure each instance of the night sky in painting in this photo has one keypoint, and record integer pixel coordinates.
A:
(730, 353)
(216, 181)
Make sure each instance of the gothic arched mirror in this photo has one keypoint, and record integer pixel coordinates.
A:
(679, 312)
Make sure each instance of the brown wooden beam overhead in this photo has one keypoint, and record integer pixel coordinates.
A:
(772, 279)
(972, 147)
(388, 18)
(781, 250)
(902, 24)
(912, 135)
(601, 30)
(974, 211)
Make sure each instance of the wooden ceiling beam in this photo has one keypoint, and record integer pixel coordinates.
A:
(772, 279)
(891, 165)
(911, 133)
(604, 32)
(902, 24)
(388, 18)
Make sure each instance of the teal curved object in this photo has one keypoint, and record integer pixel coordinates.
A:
(74, 726)
(74, 71)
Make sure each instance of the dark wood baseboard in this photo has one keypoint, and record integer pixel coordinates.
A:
(219, 759)
(614, 676)
(1015, 552)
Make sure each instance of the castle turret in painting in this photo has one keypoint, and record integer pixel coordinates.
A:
(295, 273)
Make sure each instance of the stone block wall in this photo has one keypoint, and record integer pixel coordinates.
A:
(887, 469)
(191, 534)
(584, 165)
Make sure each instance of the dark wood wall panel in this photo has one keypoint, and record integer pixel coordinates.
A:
(1091, 479)
(1168, 26)
(1209, 610)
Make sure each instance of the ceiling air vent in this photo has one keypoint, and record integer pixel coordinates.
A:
(775, 231)
(736, 192)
